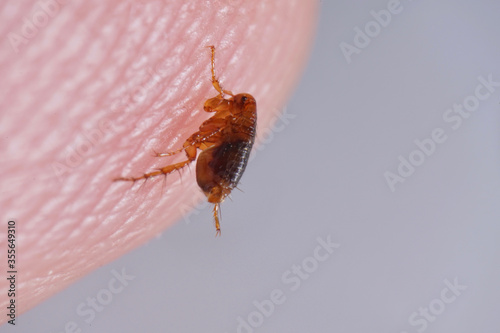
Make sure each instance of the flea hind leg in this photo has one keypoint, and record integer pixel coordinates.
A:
(191, 156)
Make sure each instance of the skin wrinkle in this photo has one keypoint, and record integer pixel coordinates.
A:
(127, 66)
(57, 88)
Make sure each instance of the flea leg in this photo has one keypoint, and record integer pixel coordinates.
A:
(216, 218)
(170, 153)
(209, 132)
(215, 81)
(191, 155)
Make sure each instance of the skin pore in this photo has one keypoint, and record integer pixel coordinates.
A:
(90, 89)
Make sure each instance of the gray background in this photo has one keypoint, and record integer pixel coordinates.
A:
(321, 174)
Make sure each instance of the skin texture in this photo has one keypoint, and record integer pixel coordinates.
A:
(90, 93)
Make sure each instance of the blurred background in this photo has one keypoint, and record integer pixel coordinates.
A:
(370, 206)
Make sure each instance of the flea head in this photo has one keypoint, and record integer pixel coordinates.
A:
(245, 102)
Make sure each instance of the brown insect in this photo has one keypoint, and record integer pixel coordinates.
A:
(225, 141)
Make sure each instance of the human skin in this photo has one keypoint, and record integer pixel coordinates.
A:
(93, 90)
